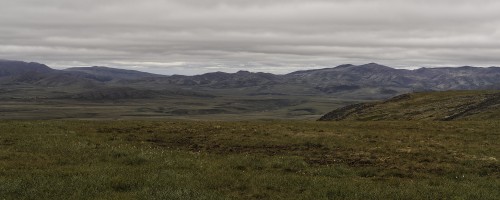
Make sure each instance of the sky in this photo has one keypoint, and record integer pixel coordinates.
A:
(277, 36)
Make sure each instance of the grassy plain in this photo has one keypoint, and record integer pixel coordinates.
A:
(36, 102)
(220, 108)
(73, 159)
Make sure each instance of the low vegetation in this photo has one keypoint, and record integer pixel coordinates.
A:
(444, 106)
(249, 160)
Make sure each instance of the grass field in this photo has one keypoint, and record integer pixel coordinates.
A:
(426, 106)
(220, 108)
(249, 160)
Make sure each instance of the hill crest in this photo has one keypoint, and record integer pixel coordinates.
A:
(442, 106)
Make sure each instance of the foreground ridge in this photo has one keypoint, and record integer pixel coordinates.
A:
(443, 106)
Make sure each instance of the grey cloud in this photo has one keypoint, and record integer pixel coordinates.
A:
(227, 35)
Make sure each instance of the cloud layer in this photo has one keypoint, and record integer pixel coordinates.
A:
(279, 36)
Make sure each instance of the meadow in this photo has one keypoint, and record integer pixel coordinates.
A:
(271, 159)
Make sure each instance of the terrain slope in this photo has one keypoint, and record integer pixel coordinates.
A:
(445, 106)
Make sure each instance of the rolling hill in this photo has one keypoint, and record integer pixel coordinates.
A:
(444, 106)
(13, 68)
(108, 73)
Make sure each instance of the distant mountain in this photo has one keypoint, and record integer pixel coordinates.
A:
(108, 73)
(370, 78)
(361, 82)
(460, 78)
(18, 72)
(375, 75)
(449, 105)
(369, 81)
(10, 68)
(53, 79)
(222, 80)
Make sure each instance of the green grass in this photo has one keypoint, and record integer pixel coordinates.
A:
(175, 107)
(249, 160)
(428, 106)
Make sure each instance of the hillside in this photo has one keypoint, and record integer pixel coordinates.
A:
(445, 106)
(10, 68)
(112, 73)
(221, 80)
(127, 93)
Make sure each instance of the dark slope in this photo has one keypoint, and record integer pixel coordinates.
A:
(27, 80)
(112, 73)
(350, 74)
(12, 68)
(54, 79)
(222, 80)
(17, 72)
(369, 81)
(375, 75)
(117, 93)
(450, 105)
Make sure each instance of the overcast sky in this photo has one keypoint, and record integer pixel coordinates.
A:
(278, 36)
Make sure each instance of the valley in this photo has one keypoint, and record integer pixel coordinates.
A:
(383, 133)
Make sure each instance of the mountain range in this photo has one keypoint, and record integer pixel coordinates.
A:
(300, 93)
(345, 80)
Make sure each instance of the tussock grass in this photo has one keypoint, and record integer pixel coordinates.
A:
(249, 160)
(425, 106)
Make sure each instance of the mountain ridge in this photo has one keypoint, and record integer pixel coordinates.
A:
(11, 67)
(368, 81)
(112, 73)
